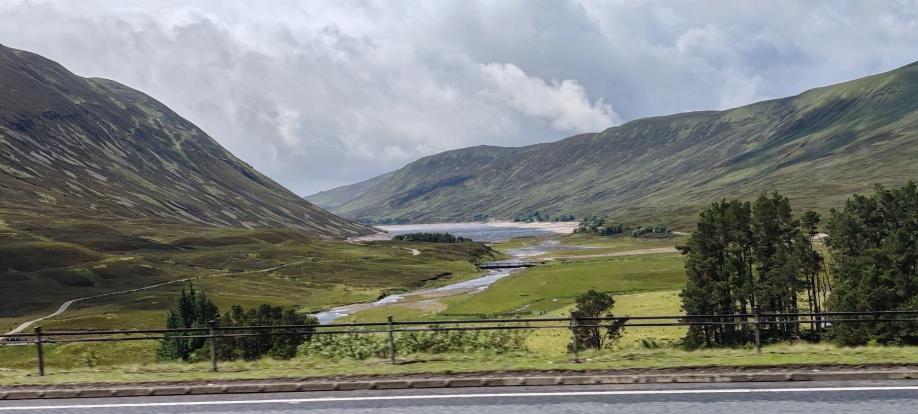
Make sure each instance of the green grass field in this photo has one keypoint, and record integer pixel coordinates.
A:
(543, 287)
(551, 288)
(550, 341)
(67, 363)
(599, 244)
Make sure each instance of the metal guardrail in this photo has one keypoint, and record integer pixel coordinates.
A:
(391, 327)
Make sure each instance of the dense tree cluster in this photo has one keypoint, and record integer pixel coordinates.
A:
(598, 226)
(874, 246)
(565, 217)
(742, 256)
(532, 216)
(191, 310)
(432, 238)
(638, 231)
(281, 343)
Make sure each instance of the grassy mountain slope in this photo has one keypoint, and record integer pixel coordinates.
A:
(818, 148)
(437, 174)
(77, 149)
(43, 264)
(337, 197)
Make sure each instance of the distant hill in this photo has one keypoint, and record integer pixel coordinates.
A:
(73, 148)
(818, 147)
(337, 197)
(441, 173)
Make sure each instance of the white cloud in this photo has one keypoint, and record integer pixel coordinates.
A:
(322, 93)
(563, 103)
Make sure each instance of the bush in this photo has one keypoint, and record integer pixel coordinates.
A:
(374, 344)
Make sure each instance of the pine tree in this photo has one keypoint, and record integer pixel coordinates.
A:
(743, 256)
(191, 310)
(874, 244)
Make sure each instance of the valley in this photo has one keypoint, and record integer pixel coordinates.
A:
(575, 263)
(233, 266)
(818, 148)
(113, 206)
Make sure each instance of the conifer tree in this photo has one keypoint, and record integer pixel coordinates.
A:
(191, 310)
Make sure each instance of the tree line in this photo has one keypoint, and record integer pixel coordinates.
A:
(640, 231)
(432, 238)
(760, 255)
(193, 309)
(598, 226)
(384, 222)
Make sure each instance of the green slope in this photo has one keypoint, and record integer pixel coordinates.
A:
(339, 196)
(76, 148)
(441, 173)
(818, 147)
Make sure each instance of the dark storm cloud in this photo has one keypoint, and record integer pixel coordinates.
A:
(318, 94)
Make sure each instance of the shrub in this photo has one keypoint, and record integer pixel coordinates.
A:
(374, 344)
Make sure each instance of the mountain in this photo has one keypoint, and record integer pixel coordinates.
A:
(337, 197)
(818, 148)
(408, 187)
(73, 148)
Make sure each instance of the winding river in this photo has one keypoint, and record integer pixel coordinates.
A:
(485, 232)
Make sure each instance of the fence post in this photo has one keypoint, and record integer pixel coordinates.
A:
(574, 344)
(391, 343)
(758, 329)
(213, 346)
(41, 354)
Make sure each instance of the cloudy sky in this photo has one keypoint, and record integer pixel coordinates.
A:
(318, 94)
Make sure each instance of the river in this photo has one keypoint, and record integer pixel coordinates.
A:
(484, 232)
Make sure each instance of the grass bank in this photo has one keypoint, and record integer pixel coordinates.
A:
(785, 354)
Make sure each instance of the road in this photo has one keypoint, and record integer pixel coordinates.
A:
(887, 397)
(63, 308)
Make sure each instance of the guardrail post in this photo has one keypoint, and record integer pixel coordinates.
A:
(758, 329)
(41, 354)
(213, 346)
(391, 343)
(574, 344)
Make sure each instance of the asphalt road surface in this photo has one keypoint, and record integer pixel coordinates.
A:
(876, 397)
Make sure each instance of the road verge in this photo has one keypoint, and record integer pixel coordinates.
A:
(835, 373)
